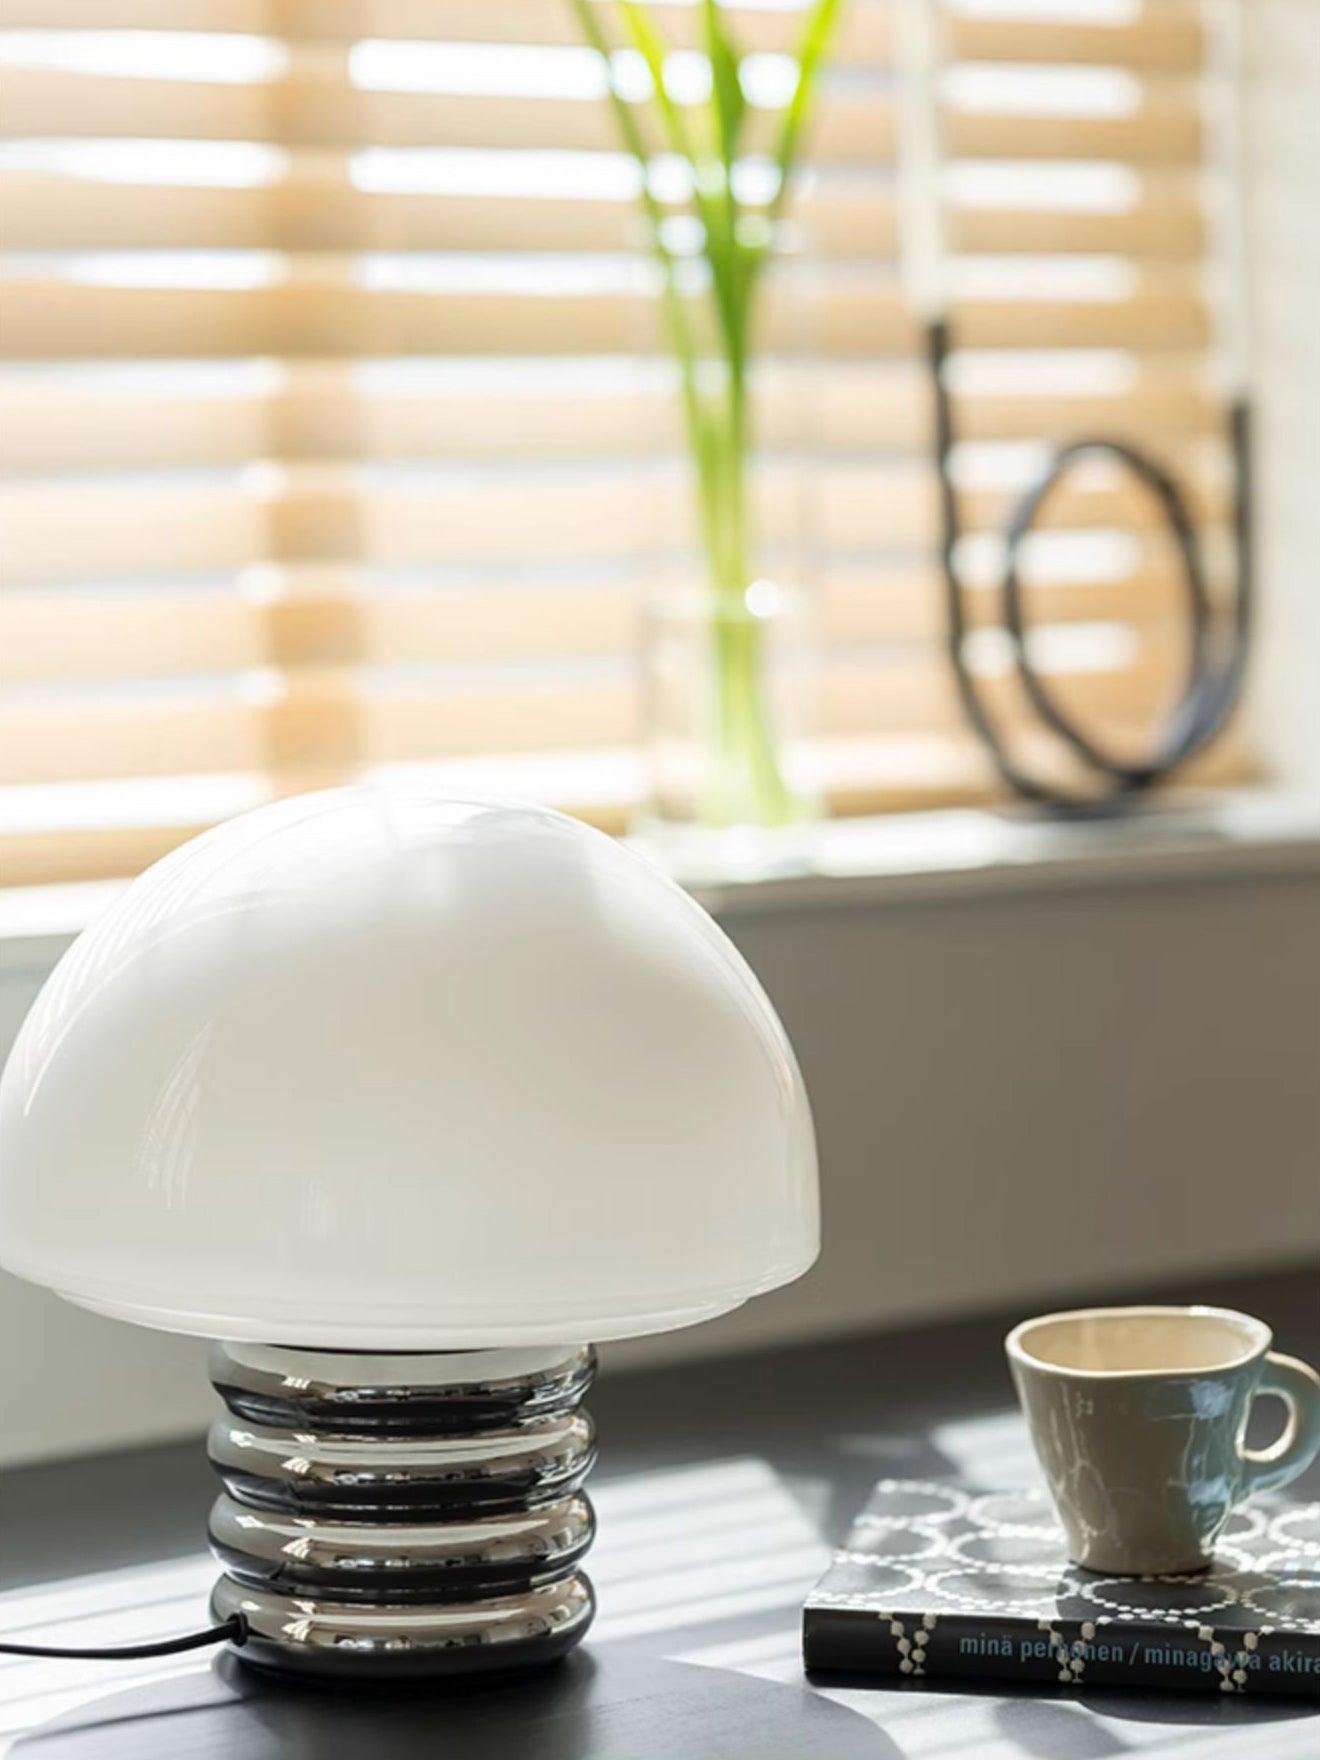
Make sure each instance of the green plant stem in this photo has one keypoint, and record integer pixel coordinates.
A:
(748, 781)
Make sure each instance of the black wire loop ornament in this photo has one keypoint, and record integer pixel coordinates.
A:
(1217, 644)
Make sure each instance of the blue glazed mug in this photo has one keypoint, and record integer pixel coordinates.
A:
(1139, 1416)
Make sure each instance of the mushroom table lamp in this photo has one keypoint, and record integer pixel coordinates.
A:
(405, 1101)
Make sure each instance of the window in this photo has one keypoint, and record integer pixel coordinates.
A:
(328, 436)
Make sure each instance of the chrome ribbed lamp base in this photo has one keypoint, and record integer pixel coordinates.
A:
(404, 1515)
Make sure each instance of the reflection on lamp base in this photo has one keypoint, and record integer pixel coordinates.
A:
(403, 1515)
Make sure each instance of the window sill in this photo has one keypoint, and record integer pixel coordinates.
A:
(987, 852)
(902, 858)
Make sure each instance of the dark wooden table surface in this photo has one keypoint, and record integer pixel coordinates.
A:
(721, 1487)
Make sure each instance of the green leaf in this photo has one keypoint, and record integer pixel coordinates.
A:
(726, 83)
(629, 127)
(720, 213)
(812, 49)
(676, 315)
(652, 47)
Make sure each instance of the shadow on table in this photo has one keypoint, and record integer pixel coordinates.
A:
(1047, 1729)
(601, 1706)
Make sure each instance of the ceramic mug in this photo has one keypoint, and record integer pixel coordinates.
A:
(1138, 1417)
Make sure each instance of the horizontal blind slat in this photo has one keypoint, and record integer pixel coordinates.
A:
(1163, 36)
(316, 206)
(325, 716)
(312, 615)
(447, 518)
(316, 104)
(1166, 218)
(864, 35)
(319, 306)
(60, 418)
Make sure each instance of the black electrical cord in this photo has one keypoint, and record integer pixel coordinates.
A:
(233, 1630)
(1217, 655)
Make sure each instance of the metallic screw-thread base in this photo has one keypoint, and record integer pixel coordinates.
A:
(395, 1516)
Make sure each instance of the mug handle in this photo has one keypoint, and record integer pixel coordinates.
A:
(1298, 1386)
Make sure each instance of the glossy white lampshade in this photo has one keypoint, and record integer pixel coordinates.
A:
(379, 1069)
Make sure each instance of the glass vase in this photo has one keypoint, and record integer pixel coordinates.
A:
(728, 709)
(729, 659)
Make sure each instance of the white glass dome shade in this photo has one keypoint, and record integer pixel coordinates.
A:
(382, 1068)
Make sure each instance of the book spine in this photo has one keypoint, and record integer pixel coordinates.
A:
(1063, 1653)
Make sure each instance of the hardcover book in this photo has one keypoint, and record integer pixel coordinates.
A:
(940, 1580)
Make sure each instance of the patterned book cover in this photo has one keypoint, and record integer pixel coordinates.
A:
(942, 1580)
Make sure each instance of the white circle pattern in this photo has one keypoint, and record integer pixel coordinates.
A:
(1271, 1599)
(993, 1546)
(1236, 1557)
(990, 1600)
(1244, 1524)
(932, 1544)
(1298, 1530)
(949, 1501)
(1143, 1603)
(1029, 1515)
(894, 1579)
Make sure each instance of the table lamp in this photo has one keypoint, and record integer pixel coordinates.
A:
(405, 1101)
